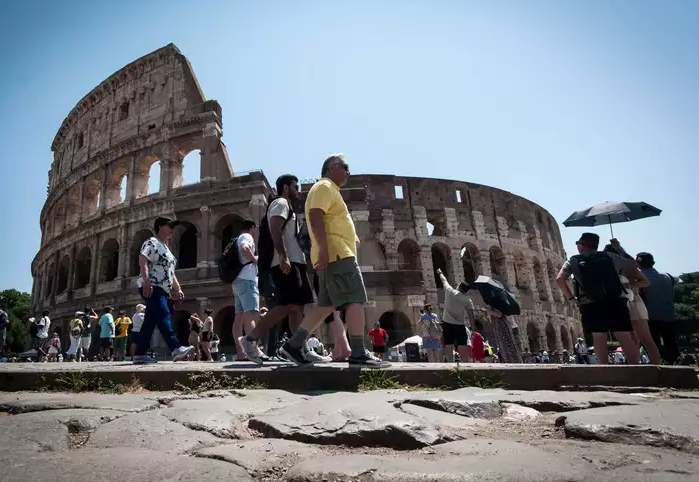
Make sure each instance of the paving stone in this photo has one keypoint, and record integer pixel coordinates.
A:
(446, 420)
(23, 402)
(227, 417)
(350, 419)
(50, 430)
(514, 412)
(664, 423)
(480, 460)
(108, 465)
(260, 454)
(149, 430)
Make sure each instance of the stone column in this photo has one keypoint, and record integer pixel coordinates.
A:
(55, 278)
(131, 182)
(71, 272)
(123, 252)
(388, 230)
(210, 146)
(94, 274)
(81, 200)
(457, 267)
(511, 273)
(483, 263)
(44, 282)
(103, 192)
(204, 256)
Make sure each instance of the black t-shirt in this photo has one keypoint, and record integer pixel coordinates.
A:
(87, 325)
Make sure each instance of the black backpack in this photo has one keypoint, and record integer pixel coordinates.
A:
(265, 243)
(229, 266)
(599, 280)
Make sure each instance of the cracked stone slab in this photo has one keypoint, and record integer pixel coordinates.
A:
(260, 454)
(476, 460)
(227, 417)
(514, 412)
(23, 402)
(664, 423)
(485, 403)
(106, 465)
(149, 430)
(627, 463)
(350, 419)
(49, 430)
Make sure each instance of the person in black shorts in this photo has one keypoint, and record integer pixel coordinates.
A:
(288, 270)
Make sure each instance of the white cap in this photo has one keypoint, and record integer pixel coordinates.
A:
(78, 313)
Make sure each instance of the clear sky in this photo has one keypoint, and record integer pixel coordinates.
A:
(566, 103)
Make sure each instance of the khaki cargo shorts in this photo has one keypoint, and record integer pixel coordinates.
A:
(341, 284)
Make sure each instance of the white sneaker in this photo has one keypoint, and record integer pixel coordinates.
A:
(313, 357)
(182, 352)
(251, 350)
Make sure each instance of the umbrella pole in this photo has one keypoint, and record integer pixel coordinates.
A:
(610, 226)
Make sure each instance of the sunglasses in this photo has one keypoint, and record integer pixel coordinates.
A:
(343, 166)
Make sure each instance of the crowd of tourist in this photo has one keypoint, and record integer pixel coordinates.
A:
(307, 274)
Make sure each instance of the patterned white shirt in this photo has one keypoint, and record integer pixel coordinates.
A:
(161, 264)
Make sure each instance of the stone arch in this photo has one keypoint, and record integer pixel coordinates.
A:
(73, 206)
(91, 196)
(184, 241)
(441, 259)
(551, 336)
(191, 167)
(83, 266)
(115, 182)
(223, 326)
(147, 176)
(227, 228)
(397, 325)
(373, 253)
(565, 339)
(63, 269)
(533, 336)
(498, 263)
(109, 260)
(49, 281)
(552, 273)
(409, 255)
(138, 239)
(521, 271)
(436, 223)
(59, 216)
(180, 325)
(469, 257)
(539, 278)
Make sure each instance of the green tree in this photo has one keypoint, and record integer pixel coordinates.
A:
(17, 305)
(687, 307)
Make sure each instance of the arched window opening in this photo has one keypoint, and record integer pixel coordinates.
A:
(373, 253)
(436, 223)
(533, 338)
(227, 228)
(154, 174)
(223, 326)
(469, 254)
(498, 265)
(185, 243)
(63, 274)
(565, 339)
(83, 265)
(550, 336)
(109, 261)
(180, 325)
(49, 284)
(397, 325)
(440, 261)
(191, 168)
(409, 255)
(122, 188)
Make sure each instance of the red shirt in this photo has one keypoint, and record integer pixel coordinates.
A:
(477, 346)
(379, 335)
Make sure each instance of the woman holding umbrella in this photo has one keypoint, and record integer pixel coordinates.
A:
(504, 337)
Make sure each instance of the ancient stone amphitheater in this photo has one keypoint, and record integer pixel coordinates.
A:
(153, 114)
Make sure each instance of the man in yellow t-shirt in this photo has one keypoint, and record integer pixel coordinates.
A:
(334, 257)
(121, 327)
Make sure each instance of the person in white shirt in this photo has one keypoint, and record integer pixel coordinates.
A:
(136, 323)
(42, 334)
(245, 289)
(457, 316)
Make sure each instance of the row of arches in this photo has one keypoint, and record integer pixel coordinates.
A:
(184, 245)
(548, 340)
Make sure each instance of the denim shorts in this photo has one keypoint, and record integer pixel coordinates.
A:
(246, 295)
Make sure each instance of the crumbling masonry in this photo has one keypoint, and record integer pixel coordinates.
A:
(153, 111)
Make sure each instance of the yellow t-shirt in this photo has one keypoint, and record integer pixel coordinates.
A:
(122, 326)
(339, 227)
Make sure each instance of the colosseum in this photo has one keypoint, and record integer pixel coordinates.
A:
(152, 114)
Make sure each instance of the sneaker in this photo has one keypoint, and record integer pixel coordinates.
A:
(143, 360)
(294, 355)
(182, 352)
(313, 357)
(262, 355)
(251, 350)
(368, 360)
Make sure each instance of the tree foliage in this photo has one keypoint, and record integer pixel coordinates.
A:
(17, 305)
(687, 307)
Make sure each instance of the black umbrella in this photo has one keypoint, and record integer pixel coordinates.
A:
(611, 213)
(495, 295)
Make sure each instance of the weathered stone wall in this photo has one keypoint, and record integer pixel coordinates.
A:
(154, 111)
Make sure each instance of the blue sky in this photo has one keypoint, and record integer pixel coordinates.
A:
(566, 103)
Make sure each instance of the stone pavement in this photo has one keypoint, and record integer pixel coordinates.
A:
(339, 376)
(396, 435)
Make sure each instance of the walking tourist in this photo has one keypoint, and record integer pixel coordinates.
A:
(54, 347)
(207, 331)
(458, 315)
(660, 302)
(121, 341)
(282, 255)
(637, 308)
(378, 337)
(214, 347)
(431, 334)
(508, 346)
(136, 324)
(195, 325)
(107, 329)
(245, 290)
(76, 331)
(599, 295)
(334, 257)
(156, 282)
(42, 334)
(580, 349)
(89, 317)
